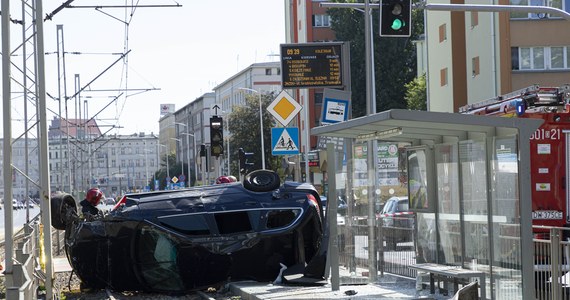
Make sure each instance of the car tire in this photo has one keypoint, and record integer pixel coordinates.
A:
(61, 204)
(262, 181)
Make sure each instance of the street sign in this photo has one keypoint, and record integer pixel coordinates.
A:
(311, 65)
(335, 106)
(284, 108)
(214, 108)
(335, 110)
(284, 140)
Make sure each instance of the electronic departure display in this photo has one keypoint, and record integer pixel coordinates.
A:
(311, 65)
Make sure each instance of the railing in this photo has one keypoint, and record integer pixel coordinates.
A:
(26, 274)
(552, 264)
(395, 255)
(396, 258)
(24, 285)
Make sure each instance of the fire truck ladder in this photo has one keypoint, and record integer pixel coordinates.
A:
(533, 96)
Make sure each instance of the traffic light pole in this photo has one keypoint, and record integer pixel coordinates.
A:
(467, 7)
(498, 8)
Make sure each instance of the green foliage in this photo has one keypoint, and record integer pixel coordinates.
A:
(394, 58)
(175, 169)
(416, 95)
(244, 127)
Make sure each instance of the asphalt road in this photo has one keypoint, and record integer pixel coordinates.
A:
(19, 218)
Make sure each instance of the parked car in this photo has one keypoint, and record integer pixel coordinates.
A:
(341, 207)
(397, 221)
(188, 239)
(16, 204)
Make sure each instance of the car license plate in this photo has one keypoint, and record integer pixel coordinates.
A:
(546, 215)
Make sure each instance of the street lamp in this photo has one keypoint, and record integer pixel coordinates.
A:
(228, 138)
(181, 148)
(167, 167)
(188, 152)
(260, 125)
(145, 166)
(180, 141)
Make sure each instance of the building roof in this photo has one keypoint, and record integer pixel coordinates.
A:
(73, 127)
(255, 65)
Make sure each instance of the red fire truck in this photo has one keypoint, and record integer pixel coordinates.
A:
(549, 146)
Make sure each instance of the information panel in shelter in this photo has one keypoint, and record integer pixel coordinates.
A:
(311, 65)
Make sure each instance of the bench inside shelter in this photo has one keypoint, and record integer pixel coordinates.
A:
(455, 274)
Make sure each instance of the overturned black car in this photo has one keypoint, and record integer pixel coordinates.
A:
(184, 240)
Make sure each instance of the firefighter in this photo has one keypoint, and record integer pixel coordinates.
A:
(222, 179)
(89, 204)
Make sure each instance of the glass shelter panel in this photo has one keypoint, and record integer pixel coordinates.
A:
(449, 226)
(506, 219)
(473, 162)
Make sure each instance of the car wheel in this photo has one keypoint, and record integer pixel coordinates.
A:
(62, 205)
(262, 181)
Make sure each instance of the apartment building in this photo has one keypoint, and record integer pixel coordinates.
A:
(258, 78)
(307, 22)
(473, 56)
(191, 130)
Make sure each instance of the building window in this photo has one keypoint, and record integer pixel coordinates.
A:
(474, 19)
(557, 57)
(443, 77)
(321, 21)
(524, 15)
(475, 66)
(442, 33)
(540, 58)
(318, 98)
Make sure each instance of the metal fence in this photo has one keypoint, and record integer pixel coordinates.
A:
(552, 249)
(395, 245)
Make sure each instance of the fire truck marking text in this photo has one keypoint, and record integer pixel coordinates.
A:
(546, 134)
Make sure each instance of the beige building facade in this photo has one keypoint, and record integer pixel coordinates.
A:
(474, 56)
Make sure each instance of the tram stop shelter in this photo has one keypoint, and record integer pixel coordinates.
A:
(468, 182)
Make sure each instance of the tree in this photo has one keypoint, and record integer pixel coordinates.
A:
(174, 169)
(394, 58)
(416, 93)
(244, 128)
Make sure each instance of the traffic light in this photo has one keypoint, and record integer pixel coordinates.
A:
(396, 18)
(202, 150)
(216, 136)
(244, 166)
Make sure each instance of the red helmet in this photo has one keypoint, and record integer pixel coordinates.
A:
(222, 179)
(94, 196)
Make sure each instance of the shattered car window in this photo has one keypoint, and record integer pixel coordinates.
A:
(157, 254)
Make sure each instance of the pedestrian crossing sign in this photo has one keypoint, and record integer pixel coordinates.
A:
(284, 140)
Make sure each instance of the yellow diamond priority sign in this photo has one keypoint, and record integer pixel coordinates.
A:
(284, 108)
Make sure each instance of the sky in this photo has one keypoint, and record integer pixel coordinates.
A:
(179, 53)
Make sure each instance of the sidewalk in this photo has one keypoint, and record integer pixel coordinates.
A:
(387, 287)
